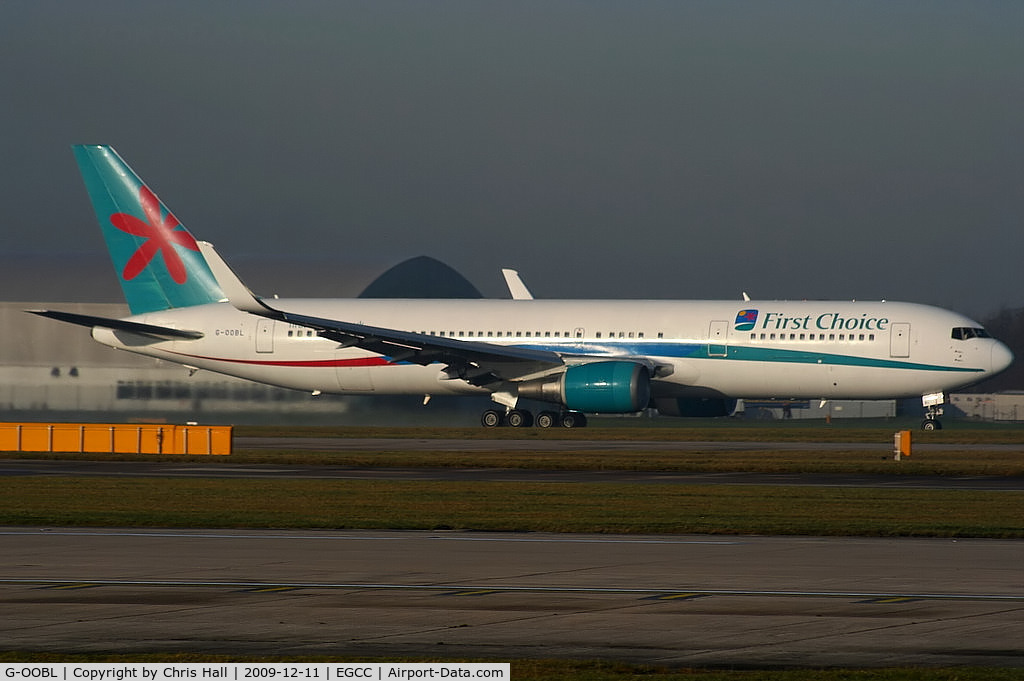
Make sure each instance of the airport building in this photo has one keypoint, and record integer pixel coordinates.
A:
(1008, 406)
(770, 410)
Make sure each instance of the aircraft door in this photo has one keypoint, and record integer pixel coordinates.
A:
(718, 339)
(899, 340)
(265, 335)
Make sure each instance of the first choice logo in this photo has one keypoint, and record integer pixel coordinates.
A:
(746, 320)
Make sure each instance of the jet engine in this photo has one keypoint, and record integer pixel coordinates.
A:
(597, 387)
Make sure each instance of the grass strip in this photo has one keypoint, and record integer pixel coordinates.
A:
(959, 462)
(511, 507)
(739, 460)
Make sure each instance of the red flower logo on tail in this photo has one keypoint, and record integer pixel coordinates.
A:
(161, 235)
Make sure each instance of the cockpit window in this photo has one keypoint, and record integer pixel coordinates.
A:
(967, 333)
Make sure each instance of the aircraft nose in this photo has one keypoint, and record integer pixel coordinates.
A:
(1001, 357)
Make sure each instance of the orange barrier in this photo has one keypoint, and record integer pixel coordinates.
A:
(901, 444)
(115, 438)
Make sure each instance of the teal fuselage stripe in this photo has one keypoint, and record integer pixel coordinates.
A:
(748, 354)
(739, 353)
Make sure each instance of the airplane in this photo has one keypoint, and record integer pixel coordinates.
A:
(683, 357)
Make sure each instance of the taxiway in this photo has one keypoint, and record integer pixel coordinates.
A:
(669, 600)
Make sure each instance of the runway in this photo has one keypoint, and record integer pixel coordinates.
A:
(668, 600)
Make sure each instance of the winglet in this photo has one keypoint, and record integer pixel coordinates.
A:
(238, 294)
(516, 288)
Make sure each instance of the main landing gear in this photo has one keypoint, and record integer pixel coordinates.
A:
(521, 418)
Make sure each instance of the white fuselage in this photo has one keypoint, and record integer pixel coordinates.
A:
(848, 350)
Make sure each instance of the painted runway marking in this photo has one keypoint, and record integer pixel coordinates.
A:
(676, 597)
(891, 599)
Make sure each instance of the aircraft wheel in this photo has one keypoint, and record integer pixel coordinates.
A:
(931, 424)
(519, 418)
(546, 419)
(573, 419)
(491, 418)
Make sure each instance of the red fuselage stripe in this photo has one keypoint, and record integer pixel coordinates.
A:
(340, 363)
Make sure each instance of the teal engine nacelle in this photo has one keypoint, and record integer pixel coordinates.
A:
(597, 387)
(695, 407)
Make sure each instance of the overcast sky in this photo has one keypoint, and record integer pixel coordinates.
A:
(633, 149)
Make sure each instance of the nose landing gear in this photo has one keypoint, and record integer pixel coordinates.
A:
(932, 411)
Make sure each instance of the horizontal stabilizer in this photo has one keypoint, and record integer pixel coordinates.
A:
(163, 332)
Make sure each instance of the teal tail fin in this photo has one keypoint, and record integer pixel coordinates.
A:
(157, 261)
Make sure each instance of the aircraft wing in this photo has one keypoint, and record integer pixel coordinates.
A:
(475, 362)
